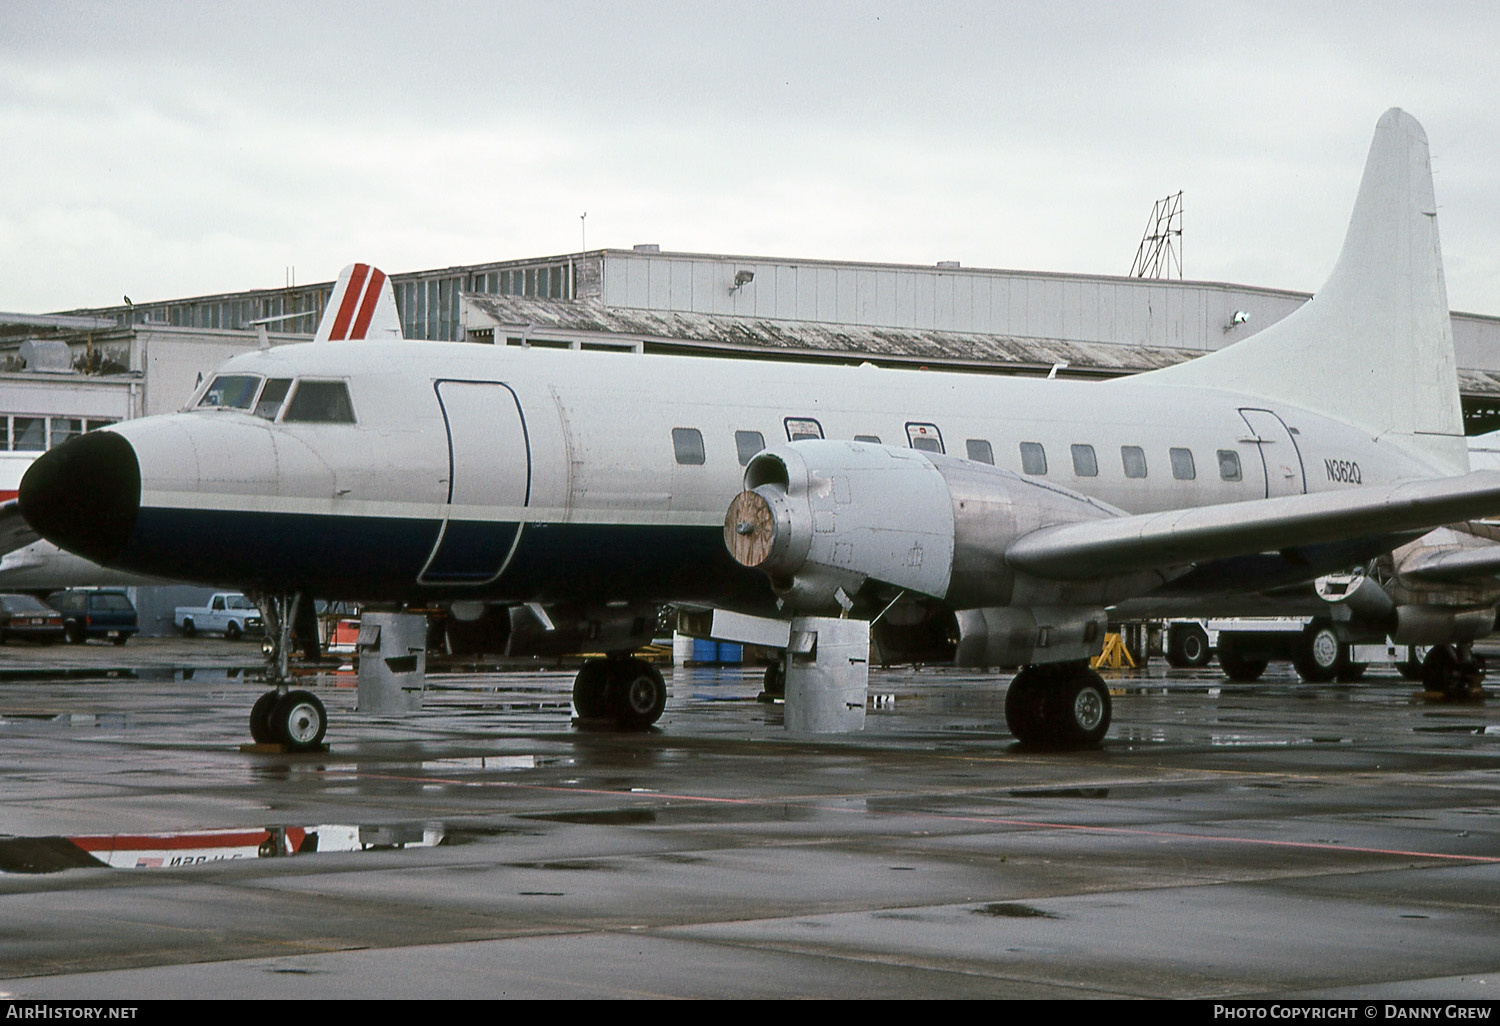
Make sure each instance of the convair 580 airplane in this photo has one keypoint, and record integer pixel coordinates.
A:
(1009, 515)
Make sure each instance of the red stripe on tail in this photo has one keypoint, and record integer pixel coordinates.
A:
(373, 292)
(351, 299)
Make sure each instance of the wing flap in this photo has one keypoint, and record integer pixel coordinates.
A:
(1182, 537)
(1453, 566)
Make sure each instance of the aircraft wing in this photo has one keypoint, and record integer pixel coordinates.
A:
(1452, 566)
(1149, 541)
(15, 532)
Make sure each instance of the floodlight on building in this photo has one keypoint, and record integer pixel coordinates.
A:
(741, 279)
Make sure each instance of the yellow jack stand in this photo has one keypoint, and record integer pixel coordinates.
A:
(1115, 655)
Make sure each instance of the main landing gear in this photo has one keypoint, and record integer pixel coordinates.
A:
(624, 689)
(1454, 671)
(1058, 706)
(295, 720)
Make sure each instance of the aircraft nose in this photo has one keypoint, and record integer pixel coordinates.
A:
(84, 495)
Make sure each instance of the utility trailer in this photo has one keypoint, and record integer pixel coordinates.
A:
(1245, 647)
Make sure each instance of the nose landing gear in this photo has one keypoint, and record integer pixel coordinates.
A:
(294, 720)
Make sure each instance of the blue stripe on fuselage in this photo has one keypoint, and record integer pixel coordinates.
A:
(377, 559)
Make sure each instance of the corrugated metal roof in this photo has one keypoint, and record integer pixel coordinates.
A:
(579, 320)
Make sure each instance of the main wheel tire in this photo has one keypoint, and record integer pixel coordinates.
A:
(189, 628)
(1319, 656)
(775, 683)
(299, 721)
(121, 638)
(1079, 710)
(637, 694)
(260, 719)
(1410, 668)
(232, 632)
(1187, 646)
(1025, 708)
(590, 690)
(1235, 666)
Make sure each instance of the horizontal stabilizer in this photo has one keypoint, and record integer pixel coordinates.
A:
(1182, 537)
(1452, 566)
(363, 306)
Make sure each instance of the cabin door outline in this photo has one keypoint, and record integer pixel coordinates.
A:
(488, 447)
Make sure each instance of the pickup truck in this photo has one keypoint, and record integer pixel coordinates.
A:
(228, 613)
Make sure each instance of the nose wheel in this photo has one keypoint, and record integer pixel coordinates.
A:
(294, 719)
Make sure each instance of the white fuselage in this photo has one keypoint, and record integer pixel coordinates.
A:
(450, 440)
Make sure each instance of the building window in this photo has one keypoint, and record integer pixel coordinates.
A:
(1085, 463)
(747, 444)
(1033, 458)
(1182, 464)
(979, 451)
(29, 434)
(1133, 458)
(64, 428)
(687, 443)
(1229, 465)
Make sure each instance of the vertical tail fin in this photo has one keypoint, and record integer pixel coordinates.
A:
(362, 306)
(1374, 346)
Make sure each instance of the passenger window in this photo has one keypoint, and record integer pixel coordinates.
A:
(272, 396)
(979, 451)
(1229, 465)
(1033, 458)
(924, 437)
(320, 402)
(872, 439)
(1133, 457)
(231, 392)
(1182, 464)
(747, 444)
(799, 429)
(1085, 464)
(688, 444)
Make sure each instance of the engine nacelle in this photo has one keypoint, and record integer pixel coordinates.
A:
(821, 517)
(1369, 608)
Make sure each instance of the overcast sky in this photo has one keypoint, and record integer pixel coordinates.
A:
(170, 149)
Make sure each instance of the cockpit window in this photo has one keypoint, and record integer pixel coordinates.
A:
(271, 397)
(230, 392)
(320, 402)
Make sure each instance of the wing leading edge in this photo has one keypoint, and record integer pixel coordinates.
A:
(1153, 541)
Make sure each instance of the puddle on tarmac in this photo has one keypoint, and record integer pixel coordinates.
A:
(1062, 792)
(1013, 910)
(605, 817)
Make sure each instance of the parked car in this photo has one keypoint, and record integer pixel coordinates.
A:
(95, 614)
(23, 616)
(228, 613)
